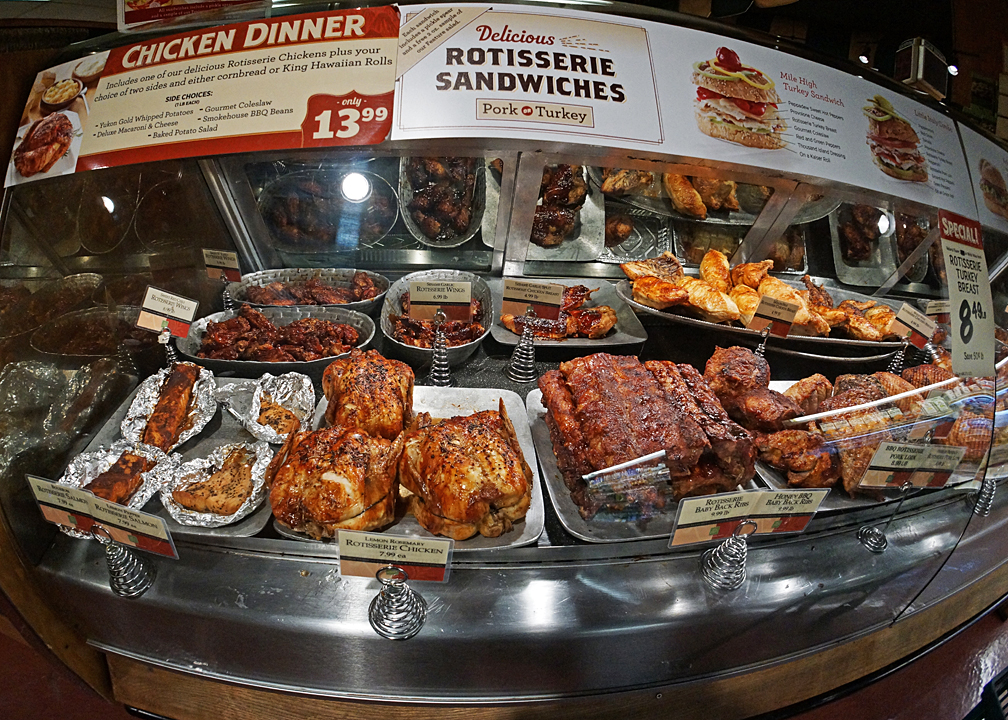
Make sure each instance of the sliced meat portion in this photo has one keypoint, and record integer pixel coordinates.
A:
(809, 392)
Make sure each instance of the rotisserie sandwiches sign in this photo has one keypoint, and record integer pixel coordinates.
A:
(480, 71)
(310, 80)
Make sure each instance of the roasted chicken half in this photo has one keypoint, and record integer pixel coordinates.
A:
(370, 393)
(467, 474)
(336, 478)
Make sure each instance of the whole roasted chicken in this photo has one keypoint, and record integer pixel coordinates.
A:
(368, 392)
(335, 478)
(46, 141)
(467, 474)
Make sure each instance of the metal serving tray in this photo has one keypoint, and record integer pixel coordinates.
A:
(871, 272)
(587, 241)
(593, 531)
(628, 330)
(449, 402)
(337, 277)
(223, 429)
(651, 236)
(475, 220)
(189, 345)
(625, 291)
(488, 227)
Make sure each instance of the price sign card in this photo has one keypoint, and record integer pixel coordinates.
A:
(913, 325)
(969, 294)
(160, 306)
(363, 554)
(715, 517)
(221, 264)
(454, 298)
(938, 310)
(61, 504)
(545, 299)
(895, 464)
(776, 314)
(81, 510)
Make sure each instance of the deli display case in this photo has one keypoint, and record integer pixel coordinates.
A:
(756, 334)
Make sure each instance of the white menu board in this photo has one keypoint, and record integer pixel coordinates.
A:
(642, 85)
(988, 165)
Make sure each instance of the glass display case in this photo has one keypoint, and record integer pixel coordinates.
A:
(667, 263)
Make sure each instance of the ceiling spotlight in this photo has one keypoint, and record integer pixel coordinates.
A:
(863, 58)
(355, 187)
(953, 70)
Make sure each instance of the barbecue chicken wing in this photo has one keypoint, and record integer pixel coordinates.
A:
(467, 474)
(370, 393)
(566, 187)
(551, 224)
(334, 478)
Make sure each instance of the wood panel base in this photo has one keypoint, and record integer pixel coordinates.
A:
(187, 697)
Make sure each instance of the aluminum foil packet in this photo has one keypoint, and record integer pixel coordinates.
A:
(293, 391)
(30, 385)
(87, 466)
(202, 406)
(174, 476)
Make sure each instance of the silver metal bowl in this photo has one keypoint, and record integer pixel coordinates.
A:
(189, 346)
(337, 277)
(419, 356)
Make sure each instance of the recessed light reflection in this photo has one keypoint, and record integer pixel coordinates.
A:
(355, 187)
(953, 70)
(883, 224)
(109, 205)
(863, 58)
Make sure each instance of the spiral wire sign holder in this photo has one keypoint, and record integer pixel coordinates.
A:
(898, 359)
(522, 367)
(723, 567)
(226, 298)
(165, 339)
(874, 538)
(130, 575)
(440, 372)
(983, 500)
(760, 350)
(397, 611)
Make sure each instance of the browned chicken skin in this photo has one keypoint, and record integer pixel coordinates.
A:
(443, 191)
(467, 474)
(809, 392)
(369, 392)
(46, 141)
(251, 336)
(334, 478)
(312, 292)
(617, 229)
(573, 321)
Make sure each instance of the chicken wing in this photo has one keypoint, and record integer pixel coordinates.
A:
(716, 194)
(715, 271)
(685, 199)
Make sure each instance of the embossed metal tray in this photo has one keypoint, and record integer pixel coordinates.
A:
(593, 531)
(628, 330)
(625, 291)
(223, 429)
(449, 402)
(475, 220)
(651, 236)
(337, 277)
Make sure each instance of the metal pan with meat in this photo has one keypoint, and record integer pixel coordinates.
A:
(442, 199)
(728, 297)
(359, 290)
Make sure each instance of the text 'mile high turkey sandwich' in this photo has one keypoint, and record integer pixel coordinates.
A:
(736, 102)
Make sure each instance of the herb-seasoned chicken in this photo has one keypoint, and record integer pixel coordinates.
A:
(336, 478)
(467, 474)
(370, 393)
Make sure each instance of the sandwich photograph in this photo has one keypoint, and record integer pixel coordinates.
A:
(737, 103)
(992, 185)
(893, 142)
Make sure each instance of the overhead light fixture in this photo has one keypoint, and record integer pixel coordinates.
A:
(953, 70)
(883, 224)
(355, 187)
(863, 58)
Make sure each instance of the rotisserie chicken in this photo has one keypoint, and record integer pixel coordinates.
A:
(369, 392)
(46, 141)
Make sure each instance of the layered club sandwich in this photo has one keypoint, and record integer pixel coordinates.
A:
(737, 103)
(992, 185)
(893, 142)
